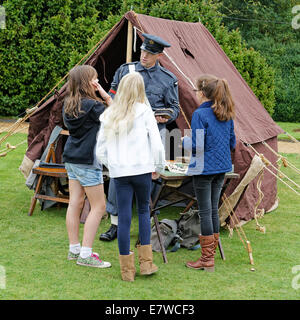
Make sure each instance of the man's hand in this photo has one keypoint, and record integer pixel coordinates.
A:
(160, 119)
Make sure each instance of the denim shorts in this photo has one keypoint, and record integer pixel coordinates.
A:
(87, 177)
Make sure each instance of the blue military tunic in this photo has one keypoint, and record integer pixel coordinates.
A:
(161, 86)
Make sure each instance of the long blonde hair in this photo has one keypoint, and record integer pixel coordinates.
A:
(119, 117)
(79, 86)
(217, 90)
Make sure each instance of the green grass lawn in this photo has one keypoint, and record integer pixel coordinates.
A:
(292, 128)
(33, 253)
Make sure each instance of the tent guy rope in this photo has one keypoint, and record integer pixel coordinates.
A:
(241, 232)
(267, 162)
(260, 197)
(284, 160)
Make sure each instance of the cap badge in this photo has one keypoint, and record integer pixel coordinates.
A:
(151, 42)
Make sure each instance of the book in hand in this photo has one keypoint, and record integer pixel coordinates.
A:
(164, 112)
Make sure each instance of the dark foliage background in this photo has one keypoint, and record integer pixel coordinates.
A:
(44, 39)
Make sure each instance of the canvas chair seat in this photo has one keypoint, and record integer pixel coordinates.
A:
(46, 175)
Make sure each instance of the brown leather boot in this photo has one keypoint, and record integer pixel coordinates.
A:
(207, 260)
(147, 266)
(127, 266)
(216, 236)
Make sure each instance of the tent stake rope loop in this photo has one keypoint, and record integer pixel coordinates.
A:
(284, 160)
(9, 148)
(292, 138)
(269, 170)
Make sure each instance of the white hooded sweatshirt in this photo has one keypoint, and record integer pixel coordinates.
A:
(137, 152)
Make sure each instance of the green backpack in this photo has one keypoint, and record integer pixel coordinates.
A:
(188, 229)
(168, 230)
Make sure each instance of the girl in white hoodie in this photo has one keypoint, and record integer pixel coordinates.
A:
(130, 146)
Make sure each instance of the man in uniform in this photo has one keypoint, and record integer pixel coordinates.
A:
(161, 87)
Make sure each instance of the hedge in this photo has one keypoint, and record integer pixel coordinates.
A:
(267, 27)
(44, 39)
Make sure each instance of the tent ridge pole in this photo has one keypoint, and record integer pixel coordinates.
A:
(129, 43)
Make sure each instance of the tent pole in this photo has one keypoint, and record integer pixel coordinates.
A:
(129, 43)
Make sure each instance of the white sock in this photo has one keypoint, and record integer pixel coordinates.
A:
(75, 248)
(114, 220)
(85, 252)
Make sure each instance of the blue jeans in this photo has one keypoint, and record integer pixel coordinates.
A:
(111, 203)
(86, 176)
(125, 189)
(208, 190)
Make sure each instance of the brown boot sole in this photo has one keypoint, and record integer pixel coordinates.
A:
(208, 269)
(148, 273)
(127, 279)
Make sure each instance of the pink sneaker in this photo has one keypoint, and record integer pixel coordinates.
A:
(93, 261)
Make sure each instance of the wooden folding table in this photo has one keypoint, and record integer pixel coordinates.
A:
(175, 181)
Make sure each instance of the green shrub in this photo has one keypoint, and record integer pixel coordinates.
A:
(36, 47)
(285, 59)
(266, 26)
(44, 39)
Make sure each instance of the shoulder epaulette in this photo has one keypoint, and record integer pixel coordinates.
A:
(168, 72)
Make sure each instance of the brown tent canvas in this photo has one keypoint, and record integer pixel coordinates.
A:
(194, 51)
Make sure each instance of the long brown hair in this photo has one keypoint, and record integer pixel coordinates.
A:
(79, 87)
(217, 90)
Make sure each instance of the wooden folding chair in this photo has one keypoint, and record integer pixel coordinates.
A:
(49, 168)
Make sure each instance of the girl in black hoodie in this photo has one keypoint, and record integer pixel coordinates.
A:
(81, 112)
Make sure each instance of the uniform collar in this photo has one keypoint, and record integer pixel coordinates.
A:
(139, 67)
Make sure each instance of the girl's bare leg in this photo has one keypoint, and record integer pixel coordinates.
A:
(74, 209)
(96, 198)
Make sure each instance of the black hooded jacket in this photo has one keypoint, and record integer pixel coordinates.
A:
(79, 148)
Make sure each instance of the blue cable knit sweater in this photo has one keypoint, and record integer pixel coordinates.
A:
(211, 142)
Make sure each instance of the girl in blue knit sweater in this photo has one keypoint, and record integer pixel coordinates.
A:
(211, 143)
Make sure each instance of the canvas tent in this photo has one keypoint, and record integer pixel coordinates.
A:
(194, 51)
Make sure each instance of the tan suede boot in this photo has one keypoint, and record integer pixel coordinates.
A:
(216, 236)
(147, 266)
(127, 266)
(207, 260)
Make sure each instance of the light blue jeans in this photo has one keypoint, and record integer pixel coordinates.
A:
(86, 176)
